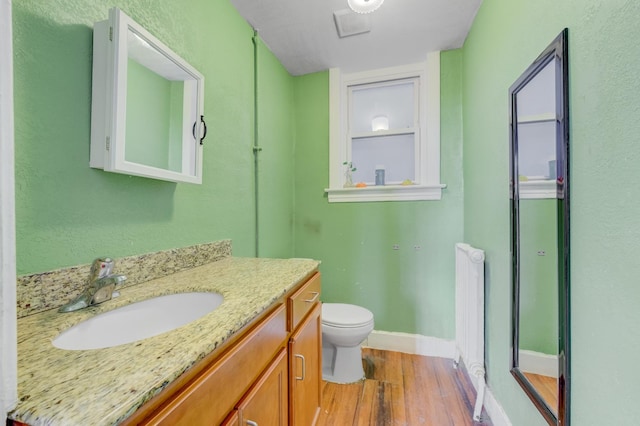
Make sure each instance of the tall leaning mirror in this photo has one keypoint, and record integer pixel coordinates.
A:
(539, 162)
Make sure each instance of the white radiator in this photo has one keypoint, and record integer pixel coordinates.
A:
(470, 317)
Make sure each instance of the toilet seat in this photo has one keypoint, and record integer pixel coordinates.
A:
(343, 315)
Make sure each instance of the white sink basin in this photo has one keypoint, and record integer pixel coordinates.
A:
(138, 321)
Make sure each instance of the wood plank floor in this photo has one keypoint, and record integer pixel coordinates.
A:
(547, 387)
(402, 389)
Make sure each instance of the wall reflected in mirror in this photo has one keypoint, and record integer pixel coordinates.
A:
(155, 128)
(538, 325)
(539, 225)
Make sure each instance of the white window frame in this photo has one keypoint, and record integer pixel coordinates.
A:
(427, 180)
(8, 318)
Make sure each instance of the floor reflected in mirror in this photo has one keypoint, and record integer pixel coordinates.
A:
(402, 389)
(547, 387)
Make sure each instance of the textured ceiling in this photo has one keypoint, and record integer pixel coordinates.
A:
(302, 33)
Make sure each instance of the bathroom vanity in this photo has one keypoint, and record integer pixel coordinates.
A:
(256, 358)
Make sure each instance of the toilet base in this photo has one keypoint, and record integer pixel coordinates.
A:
(342, 364)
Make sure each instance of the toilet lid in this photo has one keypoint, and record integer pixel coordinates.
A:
(345, 315)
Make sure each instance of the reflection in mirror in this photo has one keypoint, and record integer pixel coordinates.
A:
(538, 325)
(539, 230)
(537, 134)
(155, 127)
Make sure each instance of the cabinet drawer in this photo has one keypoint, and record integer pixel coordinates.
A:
(302, 301)
(211, 396)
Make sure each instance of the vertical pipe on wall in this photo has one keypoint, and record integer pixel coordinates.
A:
(256, 147)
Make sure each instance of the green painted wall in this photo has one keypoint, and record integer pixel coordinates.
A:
(408, 290)
(276, 162)
(67, 213)
(604, 85)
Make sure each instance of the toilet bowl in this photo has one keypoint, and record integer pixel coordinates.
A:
(344, 328)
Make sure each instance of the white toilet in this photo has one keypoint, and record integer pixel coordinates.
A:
(344, 328)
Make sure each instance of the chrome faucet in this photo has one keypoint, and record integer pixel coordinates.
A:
(101, 286)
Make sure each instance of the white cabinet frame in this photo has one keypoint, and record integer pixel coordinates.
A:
(109, 101)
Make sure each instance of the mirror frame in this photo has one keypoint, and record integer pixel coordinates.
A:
(558, 49)
(109, 102)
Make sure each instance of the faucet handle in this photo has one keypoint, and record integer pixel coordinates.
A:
(100, 286)
(100, 268)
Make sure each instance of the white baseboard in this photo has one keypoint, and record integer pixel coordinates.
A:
(494, 410)
(432, 346)
(411, 344)
(538, 363)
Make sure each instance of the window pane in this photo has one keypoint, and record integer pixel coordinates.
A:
(395, 153)
(394, 101)
(539, 95)
(537, 150)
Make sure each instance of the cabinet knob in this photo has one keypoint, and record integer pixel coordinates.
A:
(252, 423)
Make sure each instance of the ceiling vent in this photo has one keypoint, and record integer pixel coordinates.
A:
(349, 23)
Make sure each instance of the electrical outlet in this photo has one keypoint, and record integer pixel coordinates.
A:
(396, 247)
(417, 248)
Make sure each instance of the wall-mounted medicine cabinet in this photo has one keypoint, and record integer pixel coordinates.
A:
(147, 106)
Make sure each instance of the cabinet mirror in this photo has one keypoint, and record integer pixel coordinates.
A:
(147, 107)
(539, 162)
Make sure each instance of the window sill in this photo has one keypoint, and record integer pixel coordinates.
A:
(385, 193)
(537, 189)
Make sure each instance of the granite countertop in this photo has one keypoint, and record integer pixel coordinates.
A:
(105, 386)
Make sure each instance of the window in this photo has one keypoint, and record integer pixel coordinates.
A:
(386, 119)
(537, 126)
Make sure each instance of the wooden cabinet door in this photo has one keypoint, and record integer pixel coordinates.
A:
(232, 420)
(305, 376)
(211, 396)
(266, 403)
